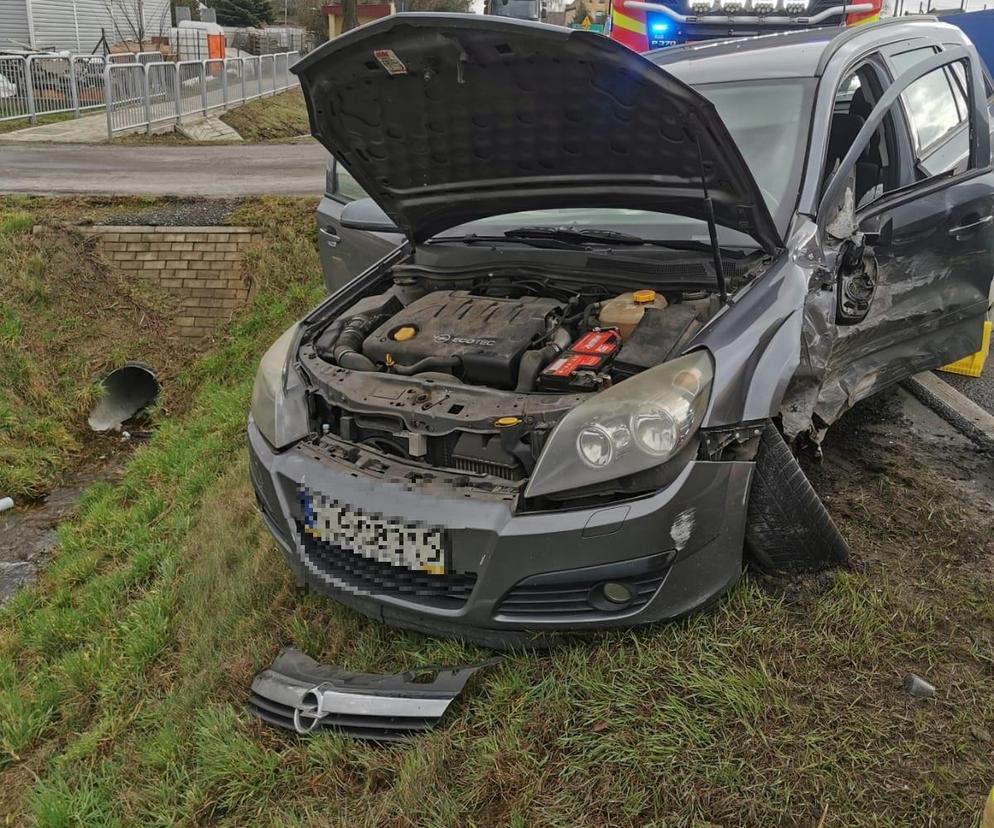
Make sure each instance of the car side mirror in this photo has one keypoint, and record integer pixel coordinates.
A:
(365, 214)
(856, 281)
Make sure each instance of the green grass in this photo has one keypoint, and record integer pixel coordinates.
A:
(274, 118)
(123, 675)
(270, 119)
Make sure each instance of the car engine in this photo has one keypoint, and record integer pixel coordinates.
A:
(474, 379)
(481, 338)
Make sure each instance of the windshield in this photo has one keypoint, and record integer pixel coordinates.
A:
(769, 122)
(522, 9)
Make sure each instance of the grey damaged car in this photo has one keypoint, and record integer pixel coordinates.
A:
(627, 284)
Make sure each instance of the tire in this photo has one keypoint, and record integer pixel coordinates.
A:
(788, 528)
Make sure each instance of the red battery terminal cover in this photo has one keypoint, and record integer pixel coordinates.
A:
(602, 342)
(569, 364)
(590, 352)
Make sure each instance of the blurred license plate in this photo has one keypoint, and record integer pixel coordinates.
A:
(373, 536)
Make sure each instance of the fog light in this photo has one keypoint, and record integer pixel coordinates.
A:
(763, 6)
(700, 7)
(617, 593)
(732, 6)
(795, 7)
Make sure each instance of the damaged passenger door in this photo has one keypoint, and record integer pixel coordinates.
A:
(912, 258)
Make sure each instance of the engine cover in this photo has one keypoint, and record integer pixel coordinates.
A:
(488, 335)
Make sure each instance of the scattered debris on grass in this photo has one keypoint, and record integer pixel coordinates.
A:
(917, 687)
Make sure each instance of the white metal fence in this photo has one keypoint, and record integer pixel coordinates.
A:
(138, 90)
(43, 84)
(155, 93)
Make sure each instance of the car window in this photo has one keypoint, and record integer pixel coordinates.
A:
(876, 170)
(935, 103)
(347, 187)
(847, 89)
(768, 120)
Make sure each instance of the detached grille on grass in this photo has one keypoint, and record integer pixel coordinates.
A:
(375, 728)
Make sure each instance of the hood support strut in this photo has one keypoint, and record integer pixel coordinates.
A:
(719, 270)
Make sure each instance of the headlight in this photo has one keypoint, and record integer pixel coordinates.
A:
(732, 6)
(795, 6)
(278, 405)
(763, 6)
(700, 6)
(633, 426)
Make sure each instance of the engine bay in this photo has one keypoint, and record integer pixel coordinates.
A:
(470, 374)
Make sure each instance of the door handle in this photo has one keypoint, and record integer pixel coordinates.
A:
(331, 239)
(972, 225)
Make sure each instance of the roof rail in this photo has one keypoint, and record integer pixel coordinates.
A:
(853, 32)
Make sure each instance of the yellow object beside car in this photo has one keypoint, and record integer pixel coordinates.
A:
(973, 365)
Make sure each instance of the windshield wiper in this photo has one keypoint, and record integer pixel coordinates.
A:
(574, 234)
(597, 235)
(538, 241)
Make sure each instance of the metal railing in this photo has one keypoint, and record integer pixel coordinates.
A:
(46, 84)
(146, 95)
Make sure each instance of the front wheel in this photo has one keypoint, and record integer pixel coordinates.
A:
(788, 527)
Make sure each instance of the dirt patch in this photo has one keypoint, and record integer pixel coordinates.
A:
(178, 213)
(892, 464)
(29, 534)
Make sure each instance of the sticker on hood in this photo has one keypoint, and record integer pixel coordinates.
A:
(388, 59)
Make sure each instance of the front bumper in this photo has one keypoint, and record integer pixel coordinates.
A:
(511, 575)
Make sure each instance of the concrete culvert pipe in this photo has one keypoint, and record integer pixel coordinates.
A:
(126, 391)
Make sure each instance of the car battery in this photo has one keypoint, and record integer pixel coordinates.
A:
(577, 369)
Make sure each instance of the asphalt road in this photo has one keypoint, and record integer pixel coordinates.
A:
(979, 389)
(222, 171)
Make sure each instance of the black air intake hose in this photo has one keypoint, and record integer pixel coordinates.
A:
(432, 363)
(347, 348)
(536, 359)
(325, 343)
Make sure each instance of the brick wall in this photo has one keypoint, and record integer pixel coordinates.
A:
(200, 267)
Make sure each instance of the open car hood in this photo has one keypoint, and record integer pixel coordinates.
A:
(443, 119)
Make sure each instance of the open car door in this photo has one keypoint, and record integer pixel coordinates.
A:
(910, 272)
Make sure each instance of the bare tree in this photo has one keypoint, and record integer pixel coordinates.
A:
(131, 23)
(350, 15)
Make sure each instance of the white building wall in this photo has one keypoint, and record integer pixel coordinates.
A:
(77, 24)
(14, 32)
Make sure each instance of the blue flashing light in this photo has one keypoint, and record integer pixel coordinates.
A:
(660, 28)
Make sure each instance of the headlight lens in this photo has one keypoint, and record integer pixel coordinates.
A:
(278, 405)
(633, 426)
